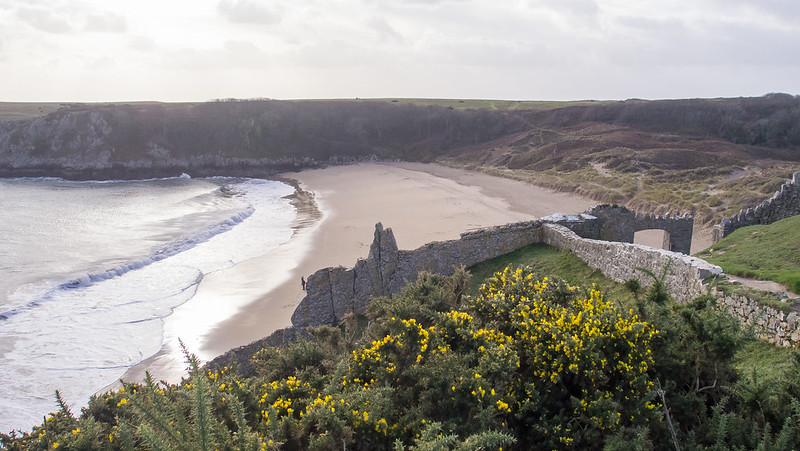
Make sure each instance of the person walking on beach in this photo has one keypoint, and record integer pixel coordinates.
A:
(303, 282)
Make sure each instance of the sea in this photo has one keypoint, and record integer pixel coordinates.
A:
(91, 273)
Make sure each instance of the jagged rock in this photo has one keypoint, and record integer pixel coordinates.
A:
(382, 260)
(316, 308)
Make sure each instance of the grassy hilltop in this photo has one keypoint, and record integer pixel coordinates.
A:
(710, 157)
(763, 252)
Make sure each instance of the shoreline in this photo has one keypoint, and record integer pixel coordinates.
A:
(162, 365)
(407, 197)
(337, 209)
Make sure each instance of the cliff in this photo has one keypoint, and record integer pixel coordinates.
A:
(252, 138)
(263, 137)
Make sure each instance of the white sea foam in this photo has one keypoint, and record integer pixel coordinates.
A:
(77, 326)
(175, 247)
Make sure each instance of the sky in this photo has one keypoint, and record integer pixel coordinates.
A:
(199, 50)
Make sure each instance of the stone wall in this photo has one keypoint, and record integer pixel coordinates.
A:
(783, 204)
(331, 293)
(617, 223)
(775, 326)
(334, 292)
(619, 261)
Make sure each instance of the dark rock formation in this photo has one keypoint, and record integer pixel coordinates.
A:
(254, 138)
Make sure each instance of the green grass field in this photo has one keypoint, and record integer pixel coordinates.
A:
(766, 252)
(14, 111)
(548, 261)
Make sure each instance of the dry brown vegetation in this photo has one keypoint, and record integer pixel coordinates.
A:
(651, 156)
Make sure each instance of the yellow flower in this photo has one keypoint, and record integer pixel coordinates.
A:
(122, 402)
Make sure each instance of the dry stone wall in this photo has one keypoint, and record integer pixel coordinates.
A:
(334, 292)
(783, 204)
(619, 261)
(768, 323)
(617, 223)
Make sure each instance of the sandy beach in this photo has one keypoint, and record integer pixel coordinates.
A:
(338, 208)
(420, 202)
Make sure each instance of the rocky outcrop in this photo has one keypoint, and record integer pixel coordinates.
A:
(331, 293)
(785, 203)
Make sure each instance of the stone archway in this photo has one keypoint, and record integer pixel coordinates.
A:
(658, 238)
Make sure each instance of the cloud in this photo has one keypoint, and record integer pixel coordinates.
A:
(231, 54)
(106, 23)
(500, 54)
(579, 8)
(247, 12)
(786, 11)
(384, 30)
(44, 20)
(101, 63)
(142, 44)
(699, 41)
(420, 2)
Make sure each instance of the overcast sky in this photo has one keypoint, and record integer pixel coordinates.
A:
(197, 50)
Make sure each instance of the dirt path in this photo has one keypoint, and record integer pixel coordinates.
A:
(765, 285)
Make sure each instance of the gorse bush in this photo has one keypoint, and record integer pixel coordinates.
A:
(526, 364)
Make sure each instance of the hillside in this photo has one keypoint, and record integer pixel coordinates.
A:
(235, 138)
(764, 252)
(710, 157)
(525, 363)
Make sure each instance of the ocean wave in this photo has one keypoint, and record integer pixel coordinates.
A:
(162, 252)
(183, 176)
